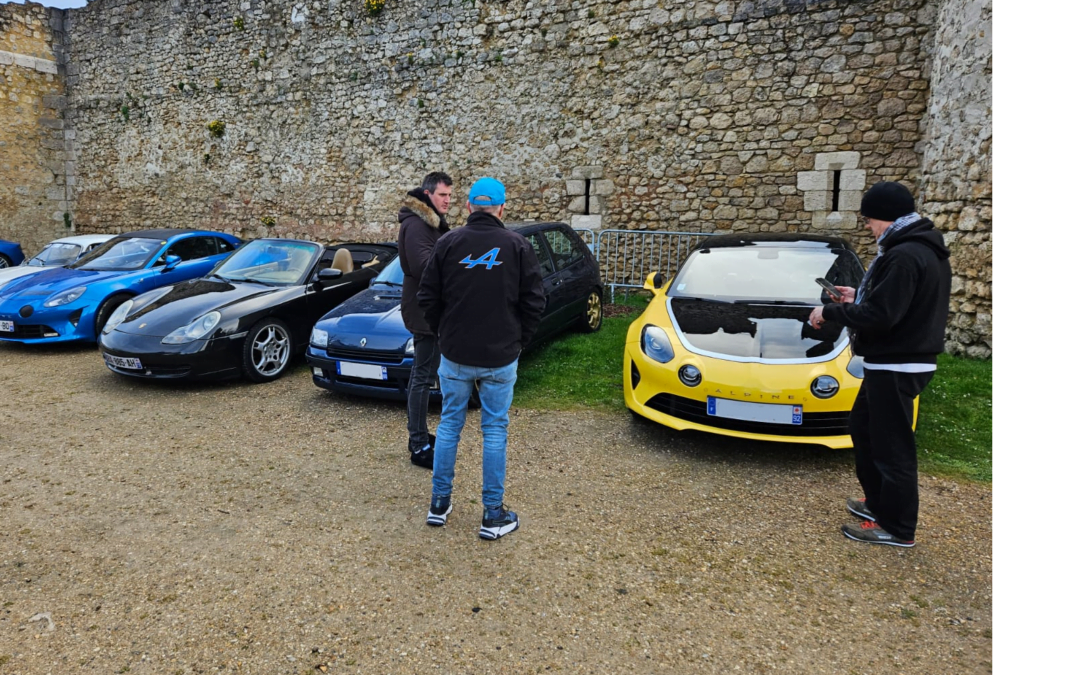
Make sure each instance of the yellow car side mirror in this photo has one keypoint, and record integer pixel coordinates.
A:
(654, 282)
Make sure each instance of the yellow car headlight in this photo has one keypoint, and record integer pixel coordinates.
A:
(656, 345)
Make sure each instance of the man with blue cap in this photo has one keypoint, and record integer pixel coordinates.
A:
(483, 295)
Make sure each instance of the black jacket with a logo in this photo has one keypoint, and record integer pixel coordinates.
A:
(421, 227)
(482, 293)
(905, 304)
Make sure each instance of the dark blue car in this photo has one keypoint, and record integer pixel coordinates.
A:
(11, 254)
(362, 347)
(73, 302)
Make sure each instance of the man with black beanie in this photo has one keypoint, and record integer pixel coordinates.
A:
(423, 221)
(896, 318)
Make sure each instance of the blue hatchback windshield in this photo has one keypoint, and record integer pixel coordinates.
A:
(765, 273)
(269, 261)
(121, 253)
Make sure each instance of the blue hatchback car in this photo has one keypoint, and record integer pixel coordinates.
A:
(362, 347)
(11, 254)
(72, 303)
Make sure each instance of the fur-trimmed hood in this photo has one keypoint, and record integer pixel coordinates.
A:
(418, 207)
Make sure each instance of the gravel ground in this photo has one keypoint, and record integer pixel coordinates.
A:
(280, 529)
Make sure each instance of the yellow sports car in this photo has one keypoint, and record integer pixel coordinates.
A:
(725, 348)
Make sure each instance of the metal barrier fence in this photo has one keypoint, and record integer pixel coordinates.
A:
(626, 257)
(589, 237)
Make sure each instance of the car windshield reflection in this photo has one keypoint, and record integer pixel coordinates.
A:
(269, 262)
(765, 274)
(55, 254)
(392, 274)
(122, 253)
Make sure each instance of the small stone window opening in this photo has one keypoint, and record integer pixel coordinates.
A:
(835, 190)
(588, 192)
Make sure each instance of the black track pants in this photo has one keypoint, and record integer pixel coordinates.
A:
(885, 458)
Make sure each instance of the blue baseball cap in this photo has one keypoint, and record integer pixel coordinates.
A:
(487, 192)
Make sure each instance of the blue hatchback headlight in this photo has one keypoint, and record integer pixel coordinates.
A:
(319, 338)
(66, 297)
(656, 345)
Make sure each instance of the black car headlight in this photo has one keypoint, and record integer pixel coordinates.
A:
(199, 328)
(825, 386)
(117, 318)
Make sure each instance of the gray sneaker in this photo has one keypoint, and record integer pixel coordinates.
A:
(858, 507)
(439, 510)
(871, 533)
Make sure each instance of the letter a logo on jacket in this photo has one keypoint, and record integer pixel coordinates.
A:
(488, 260)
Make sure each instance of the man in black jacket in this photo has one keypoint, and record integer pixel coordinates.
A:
(897, 323)
(423, 221)
(483, 294)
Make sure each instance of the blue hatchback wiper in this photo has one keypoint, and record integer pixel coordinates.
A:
(387, 283)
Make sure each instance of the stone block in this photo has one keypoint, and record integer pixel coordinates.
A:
(812, 180)
(834, 161)
(826, 222)
(603, 188)
(853, 179)
(579, 222)
(575, 187)
(581, 172)
(577, 205)
(816, 200)
(850, 200)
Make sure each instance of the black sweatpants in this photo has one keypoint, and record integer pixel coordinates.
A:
(885, 458)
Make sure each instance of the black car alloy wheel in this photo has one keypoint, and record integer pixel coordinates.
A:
(267, 349)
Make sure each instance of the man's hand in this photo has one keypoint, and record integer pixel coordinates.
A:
(816, 316)
(847, 294)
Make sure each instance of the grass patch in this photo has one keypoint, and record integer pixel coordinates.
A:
(575, 371)
(956, 423)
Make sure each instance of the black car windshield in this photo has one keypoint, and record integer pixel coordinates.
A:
(763, 273)
(269, 261)
(391, 275)
(121, 253)
(55, 254)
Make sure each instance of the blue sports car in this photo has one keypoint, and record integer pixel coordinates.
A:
(362, 347)
(73, 302)
(11, 254)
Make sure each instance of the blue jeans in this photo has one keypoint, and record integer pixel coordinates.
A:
(496, 387)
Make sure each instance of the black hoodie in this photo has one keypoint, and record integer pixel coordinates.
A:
(421, 227)
(482, 293)
(905, 304)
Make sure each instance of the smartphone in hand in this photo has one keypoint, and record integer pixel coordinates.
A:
(829, 288)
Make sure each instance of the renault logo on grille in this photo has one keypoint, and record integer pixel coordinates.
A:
(363, 342)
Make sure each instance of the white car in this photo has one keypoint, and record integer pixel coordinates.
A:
(60, 252)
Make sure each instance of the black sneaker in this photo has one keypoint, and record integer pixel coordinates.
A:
(871, 533)
(439, 510)
(498, 522)
(425, 458)
(858, 507)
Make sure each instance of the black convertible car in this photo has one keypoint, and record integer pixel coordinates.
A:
(363, 347)
(250, 315)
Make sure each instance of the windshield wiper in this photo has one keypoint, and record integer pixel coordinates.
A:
(388, 283)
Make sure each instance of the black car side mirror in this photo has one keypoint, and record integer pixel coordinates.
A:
(330, 273)
(171, 261)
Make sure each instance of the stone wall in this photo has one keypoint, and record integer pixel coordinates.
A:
(312, 117)
(34, 168)
(672, 115)
(957, 171)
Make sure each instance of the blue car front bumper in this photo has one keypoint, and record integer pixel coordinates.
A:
(57, 324)
(326, 373)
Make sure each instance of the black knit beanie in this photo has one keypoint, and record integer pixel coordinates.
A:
(887, 201)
